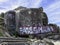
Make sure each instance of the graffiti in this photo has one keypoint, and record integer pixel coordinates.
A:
(35, 30)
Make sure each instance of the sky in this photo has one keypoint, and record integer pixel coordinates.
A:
(51, 7)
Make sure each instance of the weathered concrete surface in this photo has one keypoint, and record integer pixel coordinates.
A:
(45, 41)
(55, 42)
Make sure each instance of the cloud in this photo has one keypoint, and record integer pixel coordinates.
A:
(53, 6)
(3, 1)
(36, 4)
(2, 10)
(53, 12)
(28, 3)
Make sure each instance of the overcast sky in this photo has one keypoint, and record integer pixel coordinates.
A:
(51, 7)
